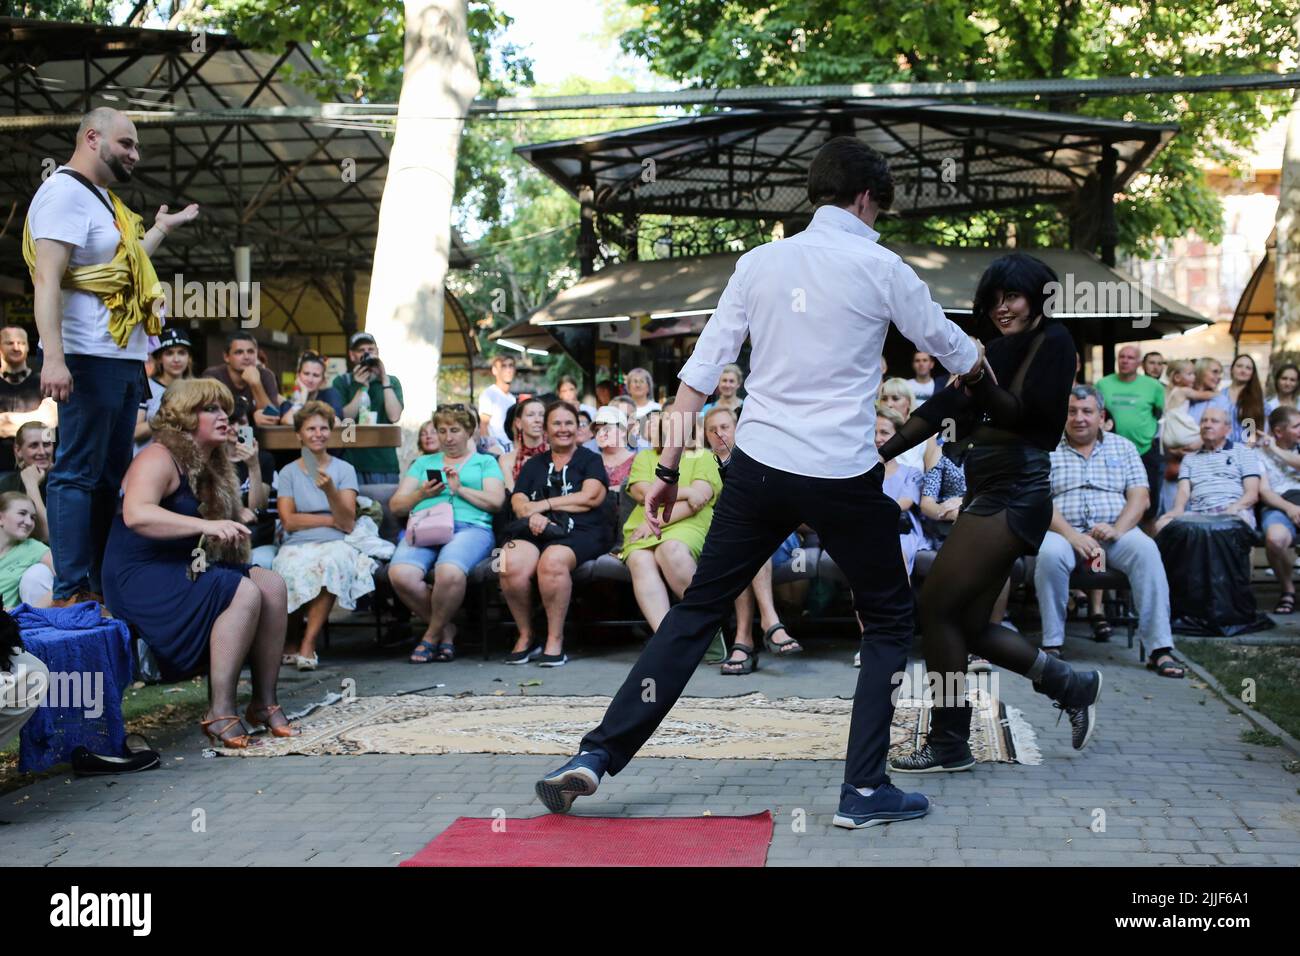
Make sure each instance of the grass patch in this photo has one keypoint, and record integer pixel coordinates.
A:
(1271, 674)
(1261, 738)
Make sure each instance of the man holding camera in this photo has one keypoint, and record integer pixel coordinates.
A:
(372, 397)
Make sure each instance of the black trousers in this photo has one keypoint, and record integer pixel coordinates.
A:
(1154, 463)
(758, 508)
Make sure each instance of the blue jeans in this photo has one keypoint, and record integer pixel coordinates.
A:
(96, 429)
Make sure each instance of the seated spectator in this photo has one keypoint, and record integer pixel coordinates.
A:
(729, 384)
(1208, 375)
(26, 568)
(663, 563)
(471, 483)
(252, 466)
(34, 455)
(611, 444)
(1245, 397)
(308, 388)
(585, 434)
(636, 439)
(197, 614)
(1221, 478)
(21, 399)
(942, 493)
(526, 424)
(903, 484)
(567, 391)
(24, 679)
(317, 503)
(896, 394)
(641, 389)
(171, 362)
(428, 442)
(1286, 388)
(1279, 493)
(720, 432)
(926, 381)
(1099, 494)
(252, 385)
(559, 524)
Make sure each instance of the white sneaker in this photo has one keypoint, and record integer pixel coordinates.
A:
(307, 663)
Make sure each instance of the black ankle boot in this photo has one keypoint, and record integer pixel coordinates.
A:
(947, 746)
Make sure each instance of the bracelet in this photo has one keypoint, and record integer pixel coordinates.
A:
(160, 229)
(387, 387)
(668, 475)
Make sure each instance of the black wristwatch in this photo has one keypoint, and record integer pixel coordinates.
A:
(666, 474)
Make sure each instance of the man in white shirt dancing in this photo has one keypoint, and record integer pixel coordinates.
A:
(816, 308)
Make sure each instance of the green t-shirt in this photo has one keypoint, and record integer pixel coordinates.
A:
(1136, 407)
(472, 474)
(14, 563)
(370, 459)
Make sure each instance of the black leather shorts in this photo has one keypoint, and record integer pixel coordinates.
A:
(1015, 479)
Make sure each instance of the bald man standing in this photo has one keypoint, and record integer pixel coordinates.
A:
(1136, 402)
(95, 306)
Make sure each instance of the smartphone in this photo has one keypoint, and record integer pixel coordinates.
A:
(309, 458)
(434, 474)
(245, 433)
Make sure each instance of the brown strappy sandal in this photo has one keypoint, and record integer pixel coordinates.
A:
(239, 742)
(284, 730)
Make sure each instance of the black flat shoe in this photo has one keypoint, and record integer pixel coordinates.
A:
(87, 764)
(524, 656)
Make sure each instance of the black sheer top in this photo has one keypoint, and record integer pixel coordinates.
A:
(1036, 417)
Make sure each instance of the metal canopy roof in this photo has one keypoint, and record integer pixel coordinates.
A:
(685, 290)
(279, 187)
(753, 163)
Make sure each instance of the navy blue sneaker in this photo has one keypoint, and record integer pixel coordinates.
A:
(885, 805)
(578, 778)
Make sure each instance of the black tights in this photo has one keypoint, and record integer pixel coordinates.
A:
(958, 597)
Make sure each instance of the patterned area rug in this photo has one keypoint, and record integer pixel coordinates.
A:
(752, 727)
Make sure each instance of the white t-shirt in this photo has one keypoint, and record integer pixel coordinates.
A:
(646, 409)
(64, 209)
(921, 392)
(495, 403)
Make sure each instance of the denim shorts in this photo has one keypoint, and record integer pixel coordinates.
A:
(1273, 516)
(470, 543)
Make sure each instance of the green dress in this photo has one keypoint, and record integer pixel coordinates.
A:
(694, 466)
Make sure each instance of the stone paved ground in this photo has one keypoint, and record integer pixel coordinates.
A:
(1168, 768)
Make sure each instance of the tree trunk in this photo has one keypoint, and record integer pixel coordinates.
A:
(405, 307)
(1286, 264)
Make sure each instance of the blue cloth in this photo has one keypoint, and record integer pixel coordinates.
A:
(470, 543)
(96, 438)
(147, 584)
(78, 646)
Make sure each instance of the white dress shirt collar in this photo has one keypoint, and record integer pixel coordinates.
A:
(834, 217)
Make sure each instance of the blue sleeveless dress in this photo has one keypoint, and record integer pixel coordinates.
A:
(147, 585)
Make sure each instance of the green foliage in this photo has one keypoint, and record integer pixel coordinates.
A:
(719, 43)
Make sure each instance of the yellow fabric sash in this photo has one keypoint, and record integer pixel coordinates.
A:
(127, 284)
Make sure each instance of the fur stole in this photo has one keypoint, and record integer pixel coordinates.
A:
(213, 482)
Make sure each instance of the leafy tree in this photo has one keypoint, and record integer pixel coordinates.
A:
(725, 43)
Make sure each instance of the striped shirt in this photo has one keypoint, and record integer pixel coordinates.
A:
(1217, 477)
(1281, 476)
(1090, 491)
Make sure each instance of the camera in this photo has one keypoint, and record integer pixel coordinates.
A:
(370, 361)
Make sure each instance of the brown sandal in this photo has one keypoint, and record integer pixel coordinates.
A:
(239, 742)
(284, 730)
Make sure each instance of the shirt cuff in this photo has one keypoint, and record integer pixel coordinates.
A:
(700, 375)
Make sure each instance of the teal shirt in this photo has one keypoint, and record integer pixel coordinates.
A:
(370, 459)
(1136, 407)
(472, 475)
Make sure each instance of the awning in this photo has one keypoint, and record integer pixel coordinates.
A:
(1253, 319)
(1102, 304)
(524, 335)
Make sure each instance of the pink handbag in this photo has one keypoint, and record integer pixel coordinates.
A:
(431, 527)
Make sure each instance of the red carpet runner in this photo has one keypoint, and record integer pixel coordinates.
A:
(554, 840)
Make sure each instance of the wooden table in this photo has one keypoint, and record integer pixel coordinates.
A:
(284, 438)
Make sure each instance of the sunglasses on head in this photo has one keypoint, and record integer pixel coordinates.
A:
(456, 407)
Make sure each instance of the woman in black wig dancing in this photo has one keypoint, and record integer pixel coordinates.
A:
(1007, 419)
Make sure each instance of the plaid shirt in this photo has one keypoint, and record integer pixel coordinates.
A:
(1090, 491)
